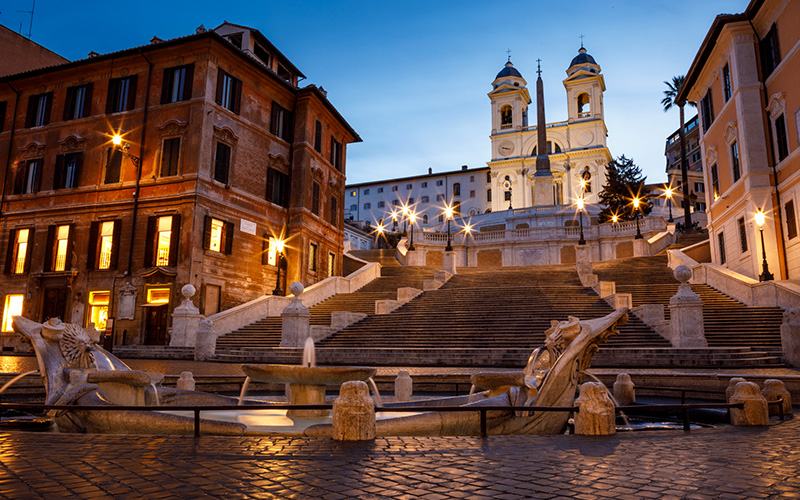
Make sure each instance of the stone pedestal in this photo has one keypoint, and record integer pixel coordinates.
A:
(186, 381)
(353, 413)
(185, 320)
(641, 248)
(403, 386)
(206, 340)
(583, 260)
(773, 390)
(295, 320)
(686, 313)
(755, 405)
(449, 262)
(543, 190)
(624, 393)
(596, 416)
(790, 337)
(731, 387)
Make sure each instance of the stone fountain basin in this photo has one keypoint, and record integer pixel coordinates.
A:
(306, 375)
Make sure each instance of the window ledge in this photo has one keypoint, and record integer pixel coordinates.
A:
(214, 254)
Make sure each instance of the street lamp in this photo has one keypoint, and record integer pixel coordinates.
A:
(467, 230)
(636, 216)
(404, 210)
(580, 203)
(279, 248)
(116, 140)
(765, 274)
(412, 217)
(380, 230)
(394, 221)
(448, 214)
(668, 193)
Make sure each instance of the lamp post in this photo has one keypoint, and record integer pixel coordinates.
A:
(668, 193)
(380, 229)
(448, 214)
(279, 248)
(404, 210)
(580, 203)
(116, 140)
(394, 221)
(765, 274)
(636, 216)
(412, 217)
(467, 231)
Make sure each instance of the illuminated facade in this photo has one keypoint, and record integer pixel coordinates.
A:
(220, 154)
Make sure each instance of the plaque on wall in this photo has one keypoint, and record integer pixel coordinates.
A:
(126, 302)
(248, 227)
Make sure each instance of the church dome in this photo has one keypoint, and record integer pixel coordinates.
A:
(582, 58)
(508, 70)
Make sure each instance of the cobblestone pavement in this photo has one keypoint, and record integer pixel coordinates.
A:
(727, 463)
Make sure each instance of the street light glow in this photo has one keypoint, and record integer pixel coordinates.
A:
(668, 192)
(412, 217)
(448, 211)
(467, 228)
(579, 202)
(279, 243)
(636, 202)
(760, 218)
(116, 139)
(614, 219)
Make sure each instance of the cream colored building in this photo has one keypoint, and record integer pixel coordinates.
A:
(576, 146)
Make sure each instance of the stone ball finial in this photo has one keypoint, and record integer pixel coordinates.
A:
(188, 291)
(296, 288)
(682, 273)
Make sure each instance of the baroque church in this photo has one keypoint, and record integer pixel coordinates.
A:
(576, 148)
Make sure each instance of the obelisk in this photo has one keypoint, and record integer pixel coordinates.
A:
(543, 179)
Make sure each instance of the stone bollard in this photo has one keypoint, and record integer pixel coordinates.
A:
(596, 416)
(403, 386)
(686, 313)
(624, 392)
(353, 413)
(186, 320)
(731, 386)
(449, 262)
(295, 320)
(774, 389)
(755, 405)
(790, 337)
(186, 381)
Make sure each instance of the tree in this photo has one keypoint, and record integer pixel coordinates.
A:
(625, 182)
(673, 88)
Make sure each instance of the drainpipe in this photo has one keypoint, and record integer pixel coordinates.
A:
(771, 159)
(141, 158)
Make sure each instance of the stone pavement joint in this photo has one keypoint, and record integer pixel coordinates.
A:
(726, 462)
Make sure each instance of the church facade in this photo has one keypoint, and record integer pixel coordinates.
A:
(576, 147)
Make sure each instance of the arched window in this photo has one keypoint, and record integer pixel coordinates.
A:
(505, 116)
(457, 189)
(583, 104)
(425, 218)
(550, 146)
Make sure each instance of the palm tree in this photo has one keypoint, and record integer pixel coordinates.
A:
(673, 88)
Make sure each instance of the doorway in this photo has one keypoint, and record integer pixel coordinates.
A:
(155, 329)
(55, 304)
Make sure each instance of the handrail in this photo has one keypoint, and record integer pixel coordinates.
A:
(283, 406)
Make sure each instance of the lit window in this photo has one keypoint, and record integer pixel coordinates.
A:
(20, 251)
(164, 235)
(106, 244)
(158, 296)
(216, 235)
(13, 307)
(62, 240)
(98, 308)
(312, 257)
(331, 264)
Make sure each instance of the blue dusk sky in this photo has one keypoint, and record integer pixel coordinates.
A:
(412, 77)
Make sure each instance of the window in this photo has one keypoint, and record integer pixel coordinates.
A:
(3, 106)
(380, 190)
(780, 137)
(281, 122)
(315, 198)
(277, 184)
(721, 242)
(726, 83)
(12, 307)
(441, 217)
(20, 246)
(177, 84)
(735, 161)
(507, 195)
(218, 235)
(472, 194)
(426, 199)
(395, 203)
(714, 182)
(424, 184)
(366, 191)
(58, 248)
(381, 204)
(770, 52)
(170, 153)
(336, 154)
(439, 197)
(353, 208)
(583, 103)
(222, 163)
(707, 109)
(28, 176)
(98, 308)
(505, 116)
(489, 177)
(489, 195)
(67, 171)
(121, 94)
(457, 189)
(270, 256)
(312, 257)
(410, 201)
(696, 157)
(353, 192)
(424, 218)
(409, 186)
(113, 166)
(158, 295)
(229, 92)
(791, 220)
(79, 102)
(331, 264)
(367, 206)
(439, 183)
(318, 136)
(700, 206)
(161, 244)
(103, 245)
(742, 235)
(334, 210)
(39, 107)
(699, 187)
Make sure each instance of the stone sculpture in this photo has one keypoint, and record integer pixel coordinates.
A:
(353, 413)
(755, 410)
(597, 416)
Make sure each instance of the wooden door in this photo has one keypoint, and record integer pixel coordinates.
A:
(155, 332)
(55, 304)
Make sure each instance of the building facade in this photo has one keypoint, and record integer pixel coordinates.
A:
(697, 198)
(23, 54)
(221, 158)
(744, 80)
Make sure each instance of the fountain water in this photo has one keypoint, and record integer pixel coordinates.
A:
(18, 377)
(309, 353)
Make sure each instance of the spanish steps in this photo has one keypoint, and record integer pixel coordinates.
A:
(496, 316)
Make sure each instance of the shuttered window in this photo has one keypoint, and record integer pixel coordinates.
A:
(229, 92)
(121, 94)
